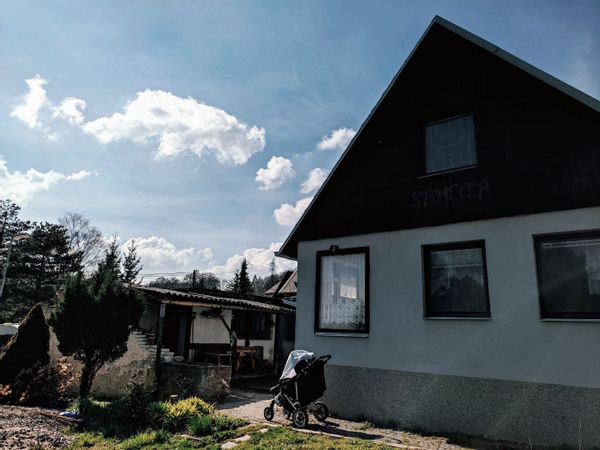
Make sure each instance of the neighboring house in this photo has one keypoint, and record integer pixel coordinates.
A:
(198, 327)
(285, 290)
(451, 261)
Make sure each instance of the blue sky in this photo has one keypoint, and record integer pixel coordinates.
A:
(215, 90)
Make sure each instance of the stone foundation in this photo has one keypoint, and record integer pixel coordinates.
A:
(541, 414)
(193, 379)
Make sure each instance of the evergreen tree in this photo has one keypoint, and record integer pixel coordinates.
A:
(240, 283)
(131, 264)
(92, 320)
(112, 258)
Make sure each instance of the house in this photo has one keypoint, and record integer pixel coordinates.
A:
(215, 327)
(285, 290)
(451, 261)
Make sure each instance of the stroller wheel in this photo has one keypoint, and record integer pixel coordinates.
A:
(269, 413)
(300, 418)
(320, 411)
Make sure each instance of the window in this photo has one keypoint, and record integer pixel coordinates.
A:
(342, 291)
(258, 323)
(450, 144)
(568, 270)
(456, 280)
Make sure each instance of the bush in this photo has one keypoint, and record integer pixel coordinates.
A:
(36, 386)
(176, 416)
(134, 404)
(28, 346)
(201, 425)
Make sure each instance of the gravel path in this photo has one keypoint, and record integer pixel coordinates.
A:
(250, 406)
(23, 428)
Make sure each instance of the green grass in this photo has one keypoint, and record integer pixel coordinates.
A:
(283, 438)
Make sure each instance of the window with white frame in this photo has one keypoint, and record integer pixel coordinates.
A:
(568, 270)
(342, 300)
(450, 144)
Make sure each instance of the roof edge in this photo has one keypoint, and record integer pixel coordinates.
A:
(545, 77)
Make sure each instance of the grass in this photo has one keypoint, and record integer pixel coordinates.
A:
(283, 438)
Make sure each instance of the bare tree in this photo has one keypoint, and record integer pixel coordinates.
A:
(83, 239)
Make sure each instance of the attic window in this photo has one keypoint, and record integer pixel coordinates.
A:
(450, 144)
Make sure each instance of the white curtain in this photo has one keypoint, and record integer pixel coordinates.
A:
(342, 303)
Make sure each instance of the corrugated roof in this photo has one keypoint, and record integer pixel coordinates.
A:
(219, 299)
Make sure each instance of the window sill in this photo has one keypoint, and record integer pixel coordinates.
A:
(569, 320)
(458, 318)
(341, 334)
(444, 172)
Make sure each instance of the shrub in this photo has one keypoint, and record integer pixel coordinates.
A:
(201, 425)
(28, 346)
(133, 405)
(36, 386)
(225, 423)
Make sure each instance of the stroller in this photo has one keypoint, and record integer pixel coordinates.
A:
(301, 384)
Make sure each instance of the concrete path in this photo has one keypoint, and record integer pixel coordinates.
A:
(250, 405)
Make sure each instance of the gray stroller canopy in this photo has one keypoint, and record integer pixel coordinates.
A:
(295, 357)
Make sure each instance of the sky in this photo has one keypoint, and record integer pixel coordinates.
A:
(203, 129)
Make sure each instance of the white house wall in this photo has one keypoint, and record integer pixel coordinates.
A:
(513, 345)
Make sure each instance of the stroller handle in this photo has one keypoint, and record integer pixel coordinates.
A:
(324, 358)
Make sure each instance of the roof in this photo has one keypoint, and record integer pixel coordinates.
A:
(274, 290)
(216, 299)
(289, 288)
(289, 247)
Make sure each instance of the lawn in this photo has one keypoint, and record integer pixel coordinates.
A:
(274, 438)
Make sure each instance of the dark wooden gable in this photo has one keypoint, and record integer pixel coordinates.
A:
(538, 146)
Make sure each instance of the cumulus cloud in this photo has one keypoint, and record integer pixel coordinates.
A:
(21, 186)
(180, 125)
(278, 170)
(315, 179)
(259, 260)
(157, 254)
(70, 109)
(33, 101)
(337, 139)
(288, 214)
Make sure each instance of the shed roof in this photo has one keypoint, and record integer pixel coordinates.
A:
(217, 299)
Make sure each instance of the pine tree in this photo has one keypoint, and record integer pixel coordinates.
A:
(131, 264)
(112, 258)
(240, 283)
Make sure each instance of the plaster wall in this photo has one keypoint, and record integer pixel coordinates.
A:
(513, 345)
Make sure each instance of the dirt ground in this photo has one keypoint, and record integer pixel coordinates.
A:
(23, 428)
(250, 405)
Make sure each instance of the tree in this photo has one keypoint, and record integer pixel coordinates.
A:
(112, 258)
(131, 264)
(241, 283)
(92, 320)
(84, 239)
(40, 263)
(28, 346)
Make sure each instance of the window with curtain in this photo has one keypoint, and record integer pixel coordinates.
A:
(450, 144)
(456, 280)
(568, 269)
(342, 299)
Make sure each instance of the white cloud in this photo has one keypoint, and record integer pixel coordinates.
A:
(315, 179)
(33, 101)
(288, 215)
(338, 139)
(21, 186)
(277, 172)
(259, 260)
(158, 254)
(70, 109)
(180, 125)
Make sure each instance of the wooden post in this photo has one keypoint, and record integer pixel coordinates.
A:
(159, 333)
